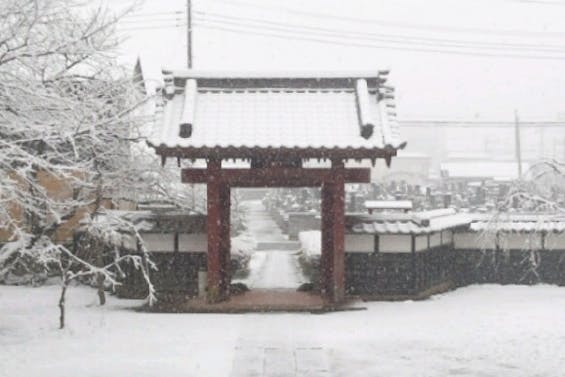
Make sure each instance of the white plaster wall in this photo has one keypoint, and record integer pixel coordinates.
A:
(520, 241)
(393, 243)
(159, 241)
(421, 243)
(555, 241)
(363, 243)
(473, 241)
(435, 239)
(446, 237)
(190, 243)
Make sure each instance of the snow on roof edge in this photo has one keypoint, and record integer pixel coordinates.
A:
(220, 74)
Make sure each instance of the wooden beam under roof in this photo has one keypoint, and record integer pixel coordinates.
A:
(244, 152)
(276, 176)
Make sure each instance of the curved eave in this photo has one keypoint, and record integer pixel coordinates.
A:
(247, 152)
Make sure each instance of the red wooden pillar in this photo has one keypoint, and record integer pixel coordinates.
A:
(225, 241)
(338, 230)
(332, 262)
(214, 231)
(326, 259)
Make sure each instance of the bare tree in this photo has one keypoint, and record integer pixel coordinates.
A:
(68, 120)
(541, 193)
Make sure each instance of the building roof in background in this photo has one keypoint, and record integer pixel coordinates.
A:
(519, 223)
(443, 219)
(483, 169)
(281, 110)
(388, 204)
(407, 223)
(158, 220)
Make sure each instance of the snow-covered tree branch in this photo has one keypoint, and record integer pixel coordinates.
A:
(71, 140)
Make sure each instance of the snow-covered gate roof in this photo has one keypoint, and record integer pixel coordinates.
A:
(204, 111)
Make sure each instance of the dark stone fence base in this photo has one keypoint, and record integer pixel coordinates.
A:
(510, 267)
(177, 274)
(380, 276)
(399, 274)
(421, 274)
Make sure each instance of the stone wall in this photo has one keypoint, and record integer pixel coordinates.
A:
(510, 266)
(399, 274)
(302, 221)
(419, 274)
(177, 274)
(394, 266)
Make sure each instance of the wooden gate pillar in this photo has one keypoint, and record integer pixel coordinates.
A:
(327, 257)
(332, 262)
(338, 229)
(225, 241)
(214, 232)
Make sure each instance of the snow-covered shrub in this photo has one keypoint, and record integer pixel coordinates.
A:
(311, 243)
(311, 247)
(242, 247)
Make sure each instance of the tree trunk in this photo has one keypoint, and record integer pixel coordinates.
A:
(62, 303)
(100, 285)
(99, 258)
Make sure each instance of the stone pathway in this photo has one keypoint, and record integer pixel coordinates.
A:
(260, 223)
(275, 269)
(279, 360)
(274, 263)
(272, 352)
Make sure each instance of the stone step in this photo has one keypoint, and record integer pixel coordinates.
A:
(278, 245)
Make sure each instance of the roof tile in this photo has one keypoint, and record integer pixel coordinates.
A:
(305, 114)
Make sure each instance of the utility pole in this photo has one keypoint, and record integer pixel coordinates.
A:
(189, 64)
(517, 143)
(189, 33)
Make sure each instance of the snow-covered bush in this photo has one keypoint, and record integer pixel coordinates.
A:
(311, 243)
(242, 247)
(311, 247)
(540, 193)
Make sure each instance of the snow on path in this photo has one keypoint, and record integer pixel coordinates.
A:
(274, 269)
(488, 330)
(260, 223)
(269, 268)
(276, 351)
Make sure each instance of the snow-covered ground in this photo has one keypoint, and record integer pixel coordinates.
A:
(475, 331)
(274, 269)
(260, 223)
(269, 268)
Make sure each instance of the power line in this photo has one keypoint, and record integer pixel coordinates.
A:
(332, 36)
(155, 27)
(396, 24)
(391, 45)
(145, 21)
(155, 14)
(348, 43)
(407, 39)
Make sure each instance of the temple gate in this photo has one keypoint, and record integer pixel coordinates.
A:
(280, 125)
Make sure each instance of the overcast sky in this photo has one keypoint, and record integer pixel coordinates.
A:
(374, 34)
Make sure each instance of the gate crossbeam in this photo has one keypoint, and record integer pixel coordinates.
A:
(275, 177)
